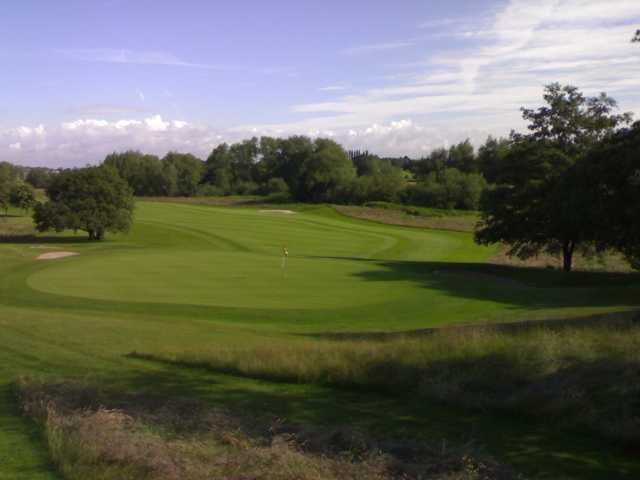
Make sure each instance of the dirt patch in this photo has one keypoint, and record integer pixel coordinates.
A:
(56, 255)
(286, 212)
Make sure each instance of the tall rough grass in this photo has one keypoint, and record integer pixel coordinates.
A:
(93, 434)
(587, 376)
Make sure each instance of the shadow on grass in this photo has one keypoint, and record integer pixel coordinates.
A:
(534, 447)
(621, 320)
(35, 239)
(533, 288)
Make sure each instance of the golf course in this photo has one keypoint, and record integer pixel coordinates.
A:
(139, 312)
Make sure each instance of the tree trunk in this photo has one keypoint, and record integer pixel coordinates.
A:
(92, 235)
(567, 255)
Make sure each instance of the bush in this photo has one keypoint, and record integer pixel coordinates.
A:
(208, 190)
(275, 186)
(448, 189)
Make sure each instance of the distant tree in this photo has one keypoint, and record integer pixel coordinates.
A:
(327, 171)
(462, 157)
(217, 169)
(291, 163)
(22, 196)
(538, 204)
(189, 171)
(94, 199)
(491, 157)
(435, 162)
(636, 37)
(449, 188)
(38, 177)
(243, 157)
(146, 174)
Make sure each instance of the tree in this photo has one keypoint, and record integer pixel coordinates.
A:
(611, 174)
(462, 157)
(491, 157)
(189, 170)
(539, 203)
(22, 196)
(145, 174)
(636, 37)
(38, 177)
(94, 199)
(327, 171)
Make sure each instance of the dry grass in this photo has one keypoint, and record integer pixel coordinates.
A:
(458, 223)
(578, 375)
(105, 435)
(16, 226)
(606, 262)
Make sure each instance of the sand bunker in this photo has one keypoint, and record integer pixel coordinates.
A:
(55, 255)
(288, 212)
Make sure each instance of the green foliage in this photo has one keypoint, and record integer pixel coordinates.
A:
(327, 172)
(610, 176)
(188, 172)
(539, 203)
(448, 189)
(94, 199)
(146, 174)
(492, 156)
(38, 177)
(22, 196)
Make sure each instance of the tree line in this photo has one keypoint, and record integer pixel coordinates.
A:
(302, 169)
(570, 183)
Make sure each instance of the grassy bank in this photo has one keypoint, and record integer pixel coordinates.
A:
(580, 376)
(107, 435)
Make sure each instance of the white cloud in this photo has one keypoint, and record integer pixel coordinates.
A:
(434, 101)
(83, 141)
(525, 46)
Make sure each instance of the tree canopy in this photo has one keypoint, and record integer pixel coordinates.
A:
(93, 199)
(538, 204)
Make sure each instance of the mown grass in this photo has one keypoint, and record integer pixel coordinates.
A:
(98, 434)
(221, 284)
(579, 375)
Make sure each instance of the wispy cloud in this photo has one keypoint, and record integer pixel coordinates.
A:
(525, 46)
(376, 47)
(124, 56)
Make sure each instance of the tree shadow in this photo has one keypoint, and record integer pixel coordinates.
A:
(533, 288)
(621, 320)
(36, 240)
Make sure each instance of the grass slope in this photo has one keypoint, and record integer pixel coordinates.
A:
(191, 276)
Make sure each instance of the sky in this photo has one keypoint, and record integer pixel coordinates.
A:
(82, 78)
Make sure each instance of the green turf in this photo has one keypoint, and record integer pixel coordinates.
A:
(189, 276)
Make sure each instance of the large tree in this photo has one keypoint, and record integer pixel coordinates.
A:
(94, 199)
(538, 203)
(611, 175)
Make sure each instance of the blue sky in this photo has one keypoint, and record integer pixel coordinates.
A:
(83, 78)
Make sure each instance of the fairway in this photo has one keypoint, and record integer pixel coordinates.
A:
(216, 257)
(189, 277)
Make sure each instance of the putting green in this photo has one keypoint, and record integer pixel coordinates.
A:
(342, 274)
(232, 258)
